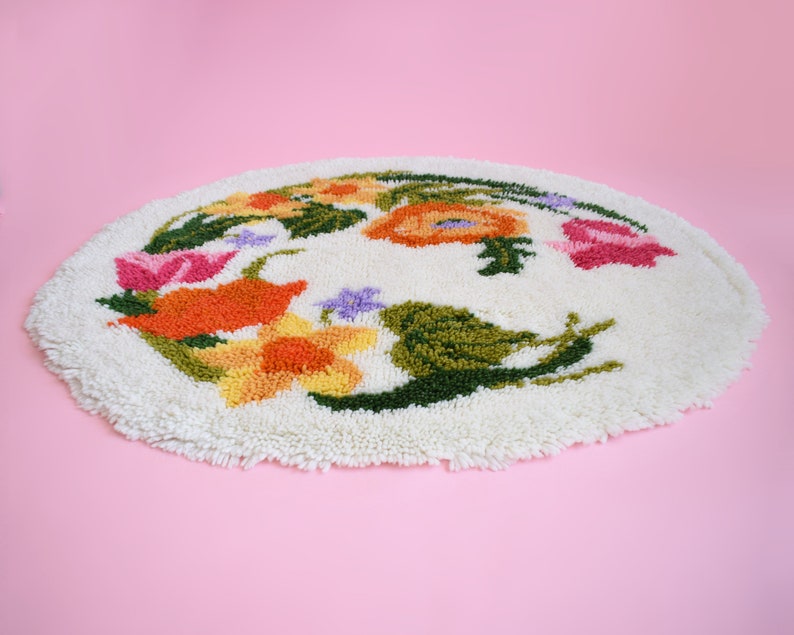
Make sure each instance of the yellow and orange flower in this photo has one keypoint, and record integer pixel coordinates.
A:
(262, 204)
(342, 191)
(436, 223)
(287, 350)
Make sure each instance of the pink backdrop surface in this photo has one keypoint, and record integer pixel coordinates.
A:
(682, 529)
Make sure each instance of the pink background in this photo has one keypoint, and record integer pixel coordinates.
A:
(683, 529)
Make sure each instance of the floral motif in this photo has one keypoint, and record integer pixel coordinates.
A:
(263, 204)
(348, 304)
(140, 271)
(438, 222)
(342, 191)
(446, 351)
(593, 243)
(285, 351)
(247, 238)
(191, 312)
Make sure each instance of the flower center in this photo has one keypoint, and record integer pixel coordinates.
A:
(454, 223)
(295, 355)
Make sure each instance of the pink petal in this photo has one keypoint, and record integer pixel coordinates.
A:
(201, 267)
(140, 271)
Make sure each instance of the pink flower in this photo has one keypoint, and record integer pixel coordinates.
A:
(597, 242)
(140, 271)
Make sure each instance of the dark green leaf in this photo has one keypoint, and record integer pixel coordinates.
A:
(505, 254)
(193, 233)
(318, 218)
(449, 384)
(127, 303)
(202, 341)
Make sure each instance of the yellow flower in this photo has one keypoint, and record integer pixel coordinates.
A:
(263, 204)
(287, 350)
(342, 191)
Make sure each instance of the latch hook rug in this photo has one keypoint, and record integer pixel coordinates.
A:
(398, 310)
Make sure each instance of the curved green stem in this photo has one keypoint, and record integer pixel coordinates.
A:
(449, 384)
(253, 270)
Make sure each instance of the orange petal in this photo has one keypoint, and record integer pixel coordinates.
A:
(232, 355)
(246, 385)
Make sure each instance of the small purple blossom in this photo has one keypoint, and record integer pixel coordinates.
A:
(348, 304)
(247, 238)
(454, 223)
(554, 201)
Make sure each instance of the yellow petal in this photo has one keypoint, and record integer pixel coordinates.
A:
(337, 379)
(246, 385)
(232, 355)
(232, 386)
(344, 340)
(291, 325)
(285, 210)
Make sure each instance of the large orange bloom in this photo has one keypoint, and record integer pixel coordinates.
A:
(436, 222)
(190, 312)
(285, 351)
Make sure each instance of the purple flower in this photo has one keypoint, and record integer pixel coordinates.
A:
(247, 238)
(554, 201)
(348, 304)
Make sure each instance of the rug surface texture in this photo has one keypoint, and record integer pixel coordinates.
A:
(398, 310)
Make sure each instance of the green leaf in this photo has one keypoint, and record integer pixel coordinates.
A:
(448, 380)
(193, 233)
(506, 188)
(319, 218)
(608, 213)
(497, 190)
(202, 341)
(128, 303)
(505, 254)
(443, 338)
(181, 355)
(439, 191)
(449, 384)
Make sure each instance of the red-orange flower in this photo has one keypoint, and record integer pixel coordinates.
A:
(436, 222)
(190, 312)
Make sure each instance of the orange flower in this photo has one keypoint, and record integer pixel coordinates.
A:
(343, 191)
(190, 312)
(436, 222)
(285, 351)
(262, 204)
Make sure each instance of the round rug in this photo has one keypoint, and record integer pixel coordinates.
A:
(398, 310)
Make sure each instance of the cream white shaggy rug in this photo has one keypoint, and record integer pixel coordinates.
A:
(398, 310)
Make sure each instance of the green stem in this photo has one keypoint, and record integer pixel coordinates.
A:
(170, 223)
(449, 384)
(252, 271)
